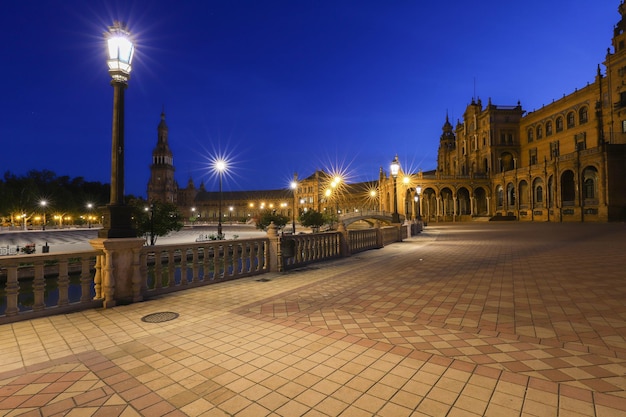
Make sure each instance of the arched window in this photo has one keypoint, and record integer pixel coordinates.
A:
(559, 124)
(590, 181)
(570, 120)
(583, 115)
(539, 194)
(548, 128)
(523, 193)
(530, 135)
(539, 132)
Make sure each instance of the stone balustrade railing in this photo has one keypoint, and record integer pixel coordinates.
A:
(167, 268)
(300, 250)
(27, 291)
(123, 270)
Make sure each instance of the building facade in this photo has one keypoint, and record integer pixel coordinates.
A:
(564, 162)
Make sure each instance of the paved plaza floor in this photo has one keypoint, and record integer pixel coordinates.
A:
(481, 319)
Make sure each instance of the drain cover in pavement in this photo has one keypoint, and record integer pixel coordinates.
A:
(159, 317)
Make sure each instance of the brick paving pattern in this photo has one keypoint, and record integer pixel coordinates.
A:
(503, 319)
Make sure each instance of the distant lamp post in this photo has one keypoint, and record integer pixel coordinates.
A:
(220, 167)
(89, 207)
(294, 188)
(43, 204)
(395, 168)
(230, 214)
(151, 210)
(418, 192)
(117, 221)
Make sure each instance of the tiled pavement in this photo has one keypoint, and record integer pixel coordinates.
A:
(502, 319)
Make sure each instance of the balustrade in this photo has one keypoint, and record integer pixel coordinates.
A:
(45, 284)
(39, 285)
(166, 268)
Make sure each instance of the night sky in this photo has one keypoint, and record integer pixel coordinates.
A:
(279, 87)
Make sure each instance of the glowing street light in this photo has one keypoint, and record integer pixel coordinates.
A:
(395, 168)
(118, 216)
(294, 187)
(418, 192)
(43, 204)
(89, 207)
(220, 167)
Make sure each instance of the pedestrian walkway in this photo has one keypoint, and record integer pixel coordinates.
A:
(485, 319)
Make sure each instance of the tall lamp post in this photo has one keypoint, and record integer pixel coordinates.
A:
(395, 168)
(220, 167)
(89, 207)
(118, 216)
(43, 204)
(294, 187)
(418, 192)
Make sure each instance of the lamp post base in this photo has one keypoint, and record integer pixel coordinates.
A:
(117, 222)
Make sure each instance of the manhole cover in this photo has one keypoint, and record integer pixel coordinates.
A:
(159, 317)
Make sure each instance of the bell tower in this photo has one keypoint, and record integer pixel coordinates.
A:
(447, 148)
(162, 186)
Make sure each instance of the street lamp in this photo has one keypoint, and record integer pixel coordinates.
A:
(118, 216)
(89, 207)
(43, 204)
(418, 191)
(395, 167)
(294, 187)
(220, 167)
(151, 209)
(335, 187)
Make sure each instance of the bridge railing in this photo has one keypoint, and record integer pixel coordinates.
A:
(368, 214)
(45, 284)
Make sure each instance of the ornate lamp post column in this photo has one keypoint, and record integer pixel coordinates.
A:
(117, 216)
(395, 168)
(220, 167)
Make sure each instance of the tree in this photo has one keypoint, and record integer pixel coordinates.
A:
(314, 219)
(269, 216)
(155, 219)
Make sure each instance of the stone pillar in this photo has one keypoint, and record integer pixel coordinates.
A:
(344, 248)
(379, 235)
(273, 257)
(121, 280)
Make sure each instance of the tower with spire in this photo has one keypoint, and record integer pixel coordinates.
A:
(162, 185)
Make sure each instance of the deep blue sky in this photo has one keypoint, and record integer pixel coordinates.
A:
(280, 86)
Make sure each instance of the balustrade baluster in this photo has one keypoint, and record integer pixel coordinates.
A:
(97, 279)
(184, 281)
(39, 287)
(12, 290)
(85, 279)
(171, 268)
(194, 265)
(63, 283)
